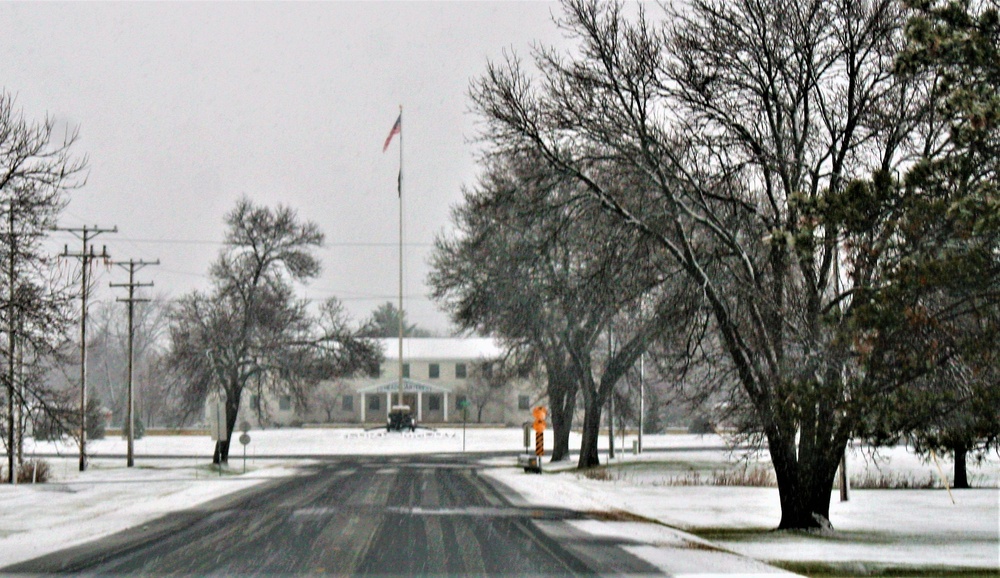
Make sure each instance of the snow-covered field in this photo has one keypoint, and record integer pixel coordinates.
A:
(874, 529)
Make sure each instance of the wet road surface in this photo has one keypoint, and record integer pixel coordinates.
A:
(406, 515)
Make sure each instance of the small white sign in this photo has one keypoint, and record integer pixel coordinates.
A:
(217, 419)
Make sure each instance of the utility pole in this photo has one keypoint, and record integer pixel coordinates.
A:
(642, 381)
(642, 399)
(611, 404)
(131, 266)
(11, 344)
(86, 256)
(845, 481)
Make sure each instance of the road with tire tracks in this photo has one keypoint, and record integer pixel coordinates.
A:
(370, 515)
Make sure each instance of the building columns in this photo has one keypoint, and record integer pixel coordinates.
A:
(415, 394)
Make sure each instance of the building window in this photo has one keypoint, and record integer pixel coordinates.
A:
(373, 403)
(461, 400)
(285, 403)
(460, 371)
(523, 402)
(406, 370)
(434, 403)
(347, 403)
(434, 371)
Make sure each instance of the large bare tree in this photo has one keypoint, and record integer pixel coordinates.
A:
(490, 280)
(251, 331)
(544, 268)
(37, 169)
(747, 121)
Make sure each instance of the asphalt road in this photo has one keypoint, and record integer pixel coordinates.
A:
(410, 515)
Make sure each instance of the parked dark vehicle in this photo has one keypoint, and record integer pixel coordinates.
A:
(400, 418)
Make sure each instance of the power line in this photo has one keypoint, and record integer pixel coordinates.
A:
(326, 245)
(373, 297)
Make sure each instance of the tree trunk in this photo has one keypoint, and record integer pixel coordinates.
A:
(805, 483)
(563, 404)
(589, 457)
(222, 447)
(961, 473)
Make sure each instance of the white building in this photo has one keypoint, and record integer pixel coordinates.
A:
(438, 376)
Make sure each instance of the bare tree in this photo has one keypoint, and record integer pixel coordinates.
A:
(250, 331)
(327, 399)
(482, 277)
(487, 384)
(543, 267)
(36, 171)
(747, 122)
(107, 356)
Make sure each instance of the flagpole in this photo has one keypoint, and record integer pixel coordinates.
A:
(400, 190)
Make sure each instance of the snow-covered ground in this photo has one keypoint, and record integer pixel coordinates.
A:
(874, 529)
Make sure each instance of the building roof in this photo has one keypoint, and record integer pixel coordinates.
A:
(452, 348)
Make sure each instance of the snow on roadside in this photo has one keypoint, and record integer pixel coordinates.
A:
(903, 527)
(676, 553)
(875, 528)
(900, 528)
(36, 519)
(325, 441)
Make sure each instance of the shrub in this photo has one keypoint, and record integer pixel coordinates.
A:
(601, 474)
(47, 428)
(892, 481)
(701, 425)
(95, 419)
(31, 471)
(749, 477)
(34, 471)
(65, 420)
(140, 429)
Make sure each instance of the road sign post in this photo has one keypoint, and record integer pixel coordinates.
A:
(464, 406)
(245, 439)
(217, 418)
(533, 462)
(539, 413)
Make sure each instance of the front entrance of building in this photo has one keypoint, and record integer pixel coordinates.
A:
(409, 399)
(378, 399)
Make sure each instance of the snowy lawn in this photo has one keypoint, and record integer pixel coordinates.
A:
(875, 529)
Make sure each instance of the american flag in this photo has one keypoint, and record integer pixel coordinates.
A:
(396, 127)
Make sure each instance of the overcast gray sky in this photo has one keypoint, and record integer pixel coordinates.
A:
(185, 107)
